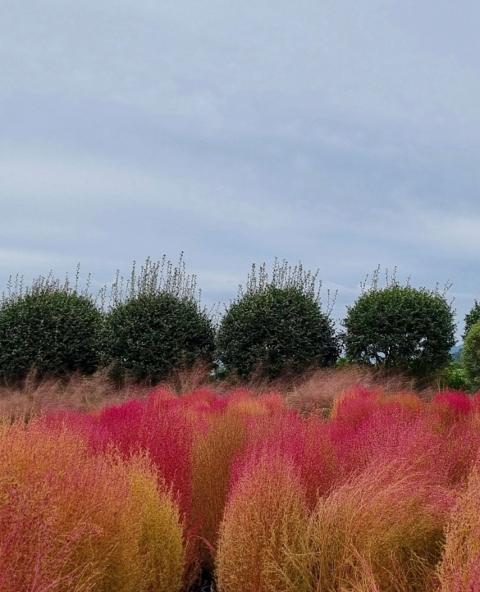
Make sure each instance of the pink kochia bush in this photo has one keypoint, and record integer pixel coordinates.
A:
(156, 490)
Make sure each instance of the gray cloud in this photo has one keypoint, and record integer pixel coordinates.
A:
(343, 134)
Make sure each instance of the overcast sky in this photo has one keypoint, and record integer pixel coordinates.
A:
(343, 134)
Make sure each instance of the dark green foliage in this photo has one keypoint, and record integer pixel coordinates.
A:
(471, 356)
(152, 334)
(156, 325)
(276, 326)
(400, 327)
(472, 318)
(454, 377)
(49, 329)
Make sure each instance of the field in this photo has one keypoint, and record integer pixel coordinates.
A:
(343, 483)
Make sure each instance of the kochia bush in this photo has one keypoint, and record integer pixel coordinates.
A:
(385, 524)
(400, 327)
(265, 516)
(276, 326)
(71, 520)
(460, 567)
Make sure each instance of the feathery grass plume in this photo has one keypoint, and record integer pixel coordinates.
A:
(459, 570)
(318, 391)
(72, 521)
(387, 524)
(265, 515)
(79, 392)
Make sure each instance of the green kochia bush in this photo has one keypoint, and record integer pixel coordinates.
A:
(400, 327)
(50, 329)
(276, 326)
(471, 356)
(156, 325)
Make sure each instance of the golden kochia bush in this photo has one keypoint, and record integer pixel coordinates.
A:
(381, 530)
(459, 570)
(71, 521)
(213, 453)
(152, 521)
(266, 514)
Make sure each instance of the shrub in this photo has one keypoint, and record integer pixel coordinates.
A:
(156, 325)
(213, 453)
(386, 525)
(154, 522)
(460, 566)
(50, 328)
(454, 376)
(472, 318)
(74, 521)
(471, 356)
(265, 515)
(276, 326)
(156, 426)
(400, 327)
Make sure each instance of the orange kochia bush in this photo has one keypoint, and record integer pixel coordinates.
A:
(71, 520)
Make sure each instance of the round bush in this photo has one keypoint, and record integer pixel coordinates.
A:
(276, 330)
(400, 327)
(471, 356)
(152, 334)
(53, 331)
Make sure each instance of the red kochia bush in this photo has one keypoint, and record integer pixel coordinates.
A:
(304, 442)
(157, 425)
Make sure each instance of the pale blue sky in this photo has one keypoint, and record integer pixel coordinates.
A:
(345, 134)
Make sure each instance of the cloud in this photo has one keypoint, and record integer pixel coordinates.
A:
(343, 135)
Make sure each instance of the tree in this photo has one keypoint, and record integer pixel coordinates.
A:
(400, 327)
(50, 328)
(472, 318)
(276, 325)
(471, 356)
(155, 324)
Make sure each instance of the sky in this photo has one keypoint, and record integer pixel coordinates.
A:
(338, 133)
